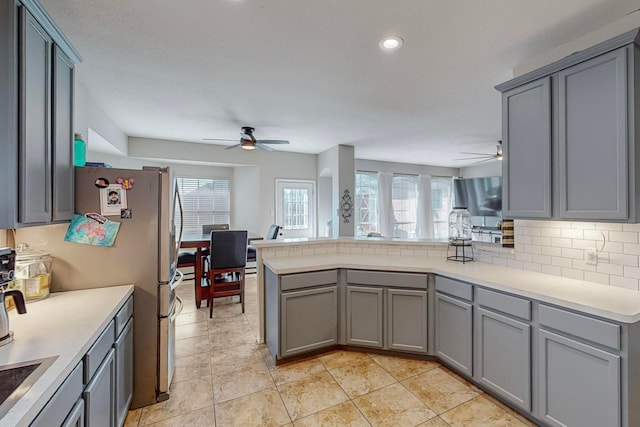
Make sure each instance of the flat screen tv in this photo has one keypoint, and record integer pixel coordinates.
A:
(481, 196)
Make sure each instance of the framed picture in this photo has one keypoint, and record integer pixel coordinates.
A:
(113, 199)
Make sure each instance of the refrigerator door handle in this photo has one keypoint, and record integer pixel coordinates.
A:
(179, 240)
(177, 311)
(177, 281)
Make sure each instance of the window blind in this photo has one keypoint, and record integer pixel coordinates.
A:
(204, 201)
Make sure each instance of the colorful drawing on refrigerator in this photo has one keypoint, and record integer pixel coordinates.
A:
(91, 232)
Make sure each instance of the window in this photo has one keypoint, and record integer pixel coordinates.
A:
(367, 213)
(441, 202)
(204, 201)
(404, 199)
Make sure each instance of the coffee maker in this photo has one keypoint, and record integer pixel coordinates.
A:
(7, 266)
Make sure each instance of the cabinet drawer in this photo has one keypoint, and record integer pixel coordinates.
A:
(588, 328)
(98, 351)
(454, 288)
(379, 278)
(62, 402)
(123, 315)
(508, 304)
(308, 280)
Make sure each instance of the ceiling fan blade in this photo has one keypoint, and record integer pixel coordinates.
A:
(232, 146)
(479, 154)
(216, 139)
(263, 147)
(272, 141)
(474, 158)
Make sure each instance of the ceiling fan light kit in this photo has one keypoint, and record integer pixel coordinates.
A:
(249, 142)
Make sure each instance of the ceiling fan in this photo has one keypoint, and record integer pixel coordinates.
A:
(484, 157)
(249, 142)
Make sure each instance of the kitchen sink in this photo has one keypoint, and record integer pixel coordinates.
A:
(16, 379)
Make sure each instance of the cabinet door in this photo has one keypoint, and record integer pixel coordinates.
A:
(99, 395)
(124, 372)
(62, 142)
(526, 139)
(503, 356)
(309, 320)
(63, 403)
(579, 384)
(407, 320)
(365, 316)
(592, 138)
(34, 131)
(454, 334)
(76, 417)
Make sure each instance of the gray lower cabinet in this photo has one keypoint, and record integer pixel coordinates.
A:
(365, 316)
(579, 383)
(407, 320)
(454, 332)
(387, 310)
(63, 404)
(99, 394)
(503, 356)
(309, 319)
(76, 417)
(124, 372)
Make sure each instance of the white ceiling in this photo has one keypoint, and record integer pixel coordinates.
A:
(311, 71)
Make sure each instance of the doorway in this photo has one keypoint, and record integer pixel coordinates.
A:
(296, 207)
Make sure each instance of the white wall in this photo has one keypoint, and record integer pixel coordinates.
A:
(626, 23)
(245, 191)
(405, 168)
(88, 115)
(268, 166)
(491, 168)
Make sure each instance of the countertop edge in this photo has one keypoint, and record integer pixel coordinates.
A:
(316, 264)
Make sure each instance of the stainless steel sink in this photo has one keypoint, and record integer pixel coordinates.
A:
(16, 379)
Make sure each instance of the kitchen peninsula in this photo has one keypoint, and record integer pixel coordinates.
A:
(559, 350)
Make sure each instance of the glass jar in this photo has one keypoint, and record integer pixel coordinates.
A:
(460, 226)
(33, 272)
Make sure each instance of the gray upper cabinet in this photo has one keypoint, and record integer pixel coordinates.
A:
(569, 134)
(36, 117)
(62, 137)
(592, 138)
(527, 150)
(34, 131)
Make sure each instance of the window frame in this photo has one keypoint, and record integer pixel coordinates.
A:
(225, 214)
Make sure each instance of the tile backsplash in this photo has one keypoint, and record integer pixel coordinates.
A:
(560, 248)
(552, 247)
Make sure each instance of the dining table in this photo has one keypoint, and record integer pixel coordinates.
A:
(201, 242)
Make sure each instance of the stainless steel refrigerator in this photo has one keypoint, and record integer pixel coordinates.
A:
(144, 254)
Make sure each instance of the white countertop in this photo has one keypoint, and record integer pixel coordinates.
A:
(321, 240)
(622, 305)
(65, 325)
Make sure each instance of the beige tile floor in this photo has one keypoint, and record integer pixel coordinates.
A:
(224, 378)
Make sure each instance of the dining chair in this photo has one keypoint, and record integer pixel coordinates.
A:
(226, 265)
(187, 259)
(272, 234)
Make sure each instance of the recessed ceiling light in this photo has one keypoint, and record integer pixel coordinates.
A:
(391, 43)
